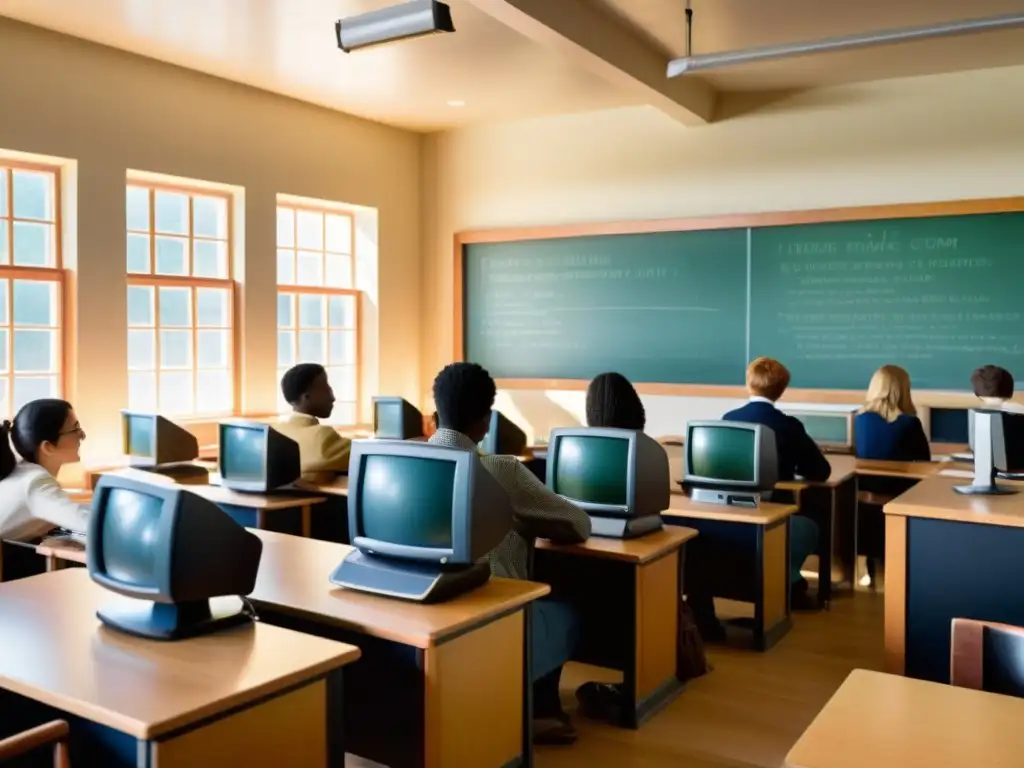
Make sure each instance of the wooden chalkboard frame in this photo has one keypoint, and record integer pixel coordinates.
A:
(928, 398)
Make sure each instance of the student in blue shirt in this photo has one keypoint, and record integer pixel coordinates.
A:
(887, 426)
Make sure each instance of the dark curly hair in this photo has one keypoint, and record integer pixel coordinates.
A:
(463, 394)
(992, 381)
(299, 379)
(612, 402)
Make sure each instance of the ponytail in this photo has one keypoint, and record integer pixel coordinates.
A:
(8, 461)
(38, 422)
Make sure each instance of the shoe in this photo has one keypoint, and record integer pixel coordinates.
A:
(553, 731)
(599, 701)
(800, 600)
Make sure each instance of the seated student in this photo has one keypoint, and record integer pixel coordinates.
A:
(613, 402)
(464, 395)
(799, 455)
(887, 426)
(322, 450)
(994, 386)
(46, 434)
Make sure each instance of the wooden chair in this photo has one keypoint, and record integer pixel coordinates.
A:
(987, 657)
(55, 733)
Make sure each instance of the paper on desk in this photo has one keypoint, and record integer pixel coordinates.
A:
(956, 473)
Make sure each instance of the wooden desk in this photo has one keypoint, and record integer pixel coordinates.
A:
(908, 470)
(257, 695)
(948, 555)
(742, 554)
(628, 594)
(886, 721)
(61, 550)
(438, 685)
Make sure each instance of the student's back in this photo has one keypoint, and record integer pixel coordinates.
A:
(798, 453)
(900, 440)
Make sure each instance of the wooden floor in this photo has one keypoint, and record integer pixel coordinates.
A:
(750, 710)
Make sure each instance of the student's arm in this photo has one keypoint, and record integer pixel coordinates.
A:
(334, 451)
(811, 463)
(46, 500)
(542, 512)
(917, 446)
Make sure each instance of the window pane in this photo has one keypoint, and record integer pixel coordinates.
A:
(176, 393)
(310, 226)
(339, 234)
(175, 307)
(35, 351)
(141, 350)
(142, 391)
(4, 256)
(3, 354)
(309, 269)
(175, 349)
(285, 227)
(311, 311)
(171, 212)
(5, 403)
(285, 349)
(3, 301)
(343, 347)
(212, 307)
(33, 244)
(286, 267)
(343, 311)
(212, 349)
(311, 347)
(171, 256)
(27, 389)
(35, 302)
(3, 191)
(339, 271)
(138, 253)
(140, 305)
(209, 258)
(344, 413)
(137, 208)
(33, 195)
(213, 392)
(210, 217)
(285, 310)
(343, 382)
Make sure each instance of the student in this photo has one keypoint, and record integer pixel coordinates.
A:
(799, 455)
(464, 395)
(887, 426)
(994, 387)
(323, 451)
(47, 435)
(613, 402)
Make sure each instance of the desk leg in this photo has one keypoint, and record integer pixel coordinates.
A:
(306, 520)
(526, 759)
(895, 594)
(261, 518)
(772, 611)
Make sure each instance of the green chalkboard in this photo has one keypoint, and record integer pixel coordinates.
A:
(656, 307)
(938, 295)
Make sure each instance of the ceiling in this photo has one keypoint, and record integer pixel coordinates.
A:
(524, 58)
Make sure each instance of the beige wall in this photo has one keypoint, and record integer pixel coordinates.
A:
(923, 139)
(111, 111)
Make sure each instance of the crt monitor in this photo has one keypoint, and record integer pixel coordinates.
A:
(152, 441)
(423, 519)
(620, 477)
(256, 458)
(989, 446)
(395, 418)
(164, 545)
(503, 437)
(730, 462)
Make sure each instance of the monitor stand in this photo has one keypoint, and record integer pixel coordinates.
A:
(984, 483)
(418, 581)
(172, 621)
(624, 528)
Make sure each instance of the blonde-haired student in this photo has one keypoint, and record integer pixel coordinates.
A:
(887, 426)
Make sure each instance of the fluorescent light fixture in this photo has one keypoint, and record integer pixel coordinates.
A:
(397, 22)
(705, 61)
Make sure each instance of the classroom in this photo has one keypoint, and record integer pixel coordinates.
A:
(198, 200)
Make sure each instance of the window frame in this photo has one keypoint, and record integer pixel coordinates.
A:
(54, 274)
(297, 290)
(158, 281)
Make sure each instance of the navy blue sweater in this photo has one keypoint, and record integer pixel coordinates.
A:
(900, 440)
(798, 453)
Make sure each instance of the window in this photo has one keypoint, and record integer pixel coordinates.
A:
(31, 286)
(181, 356)
(317, 305)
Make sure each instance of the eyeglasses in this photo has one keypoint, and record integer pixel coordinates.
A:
(75, 430)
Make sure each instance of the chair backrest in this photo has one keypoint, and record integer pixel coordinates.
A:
(987, 657)
(54, 733)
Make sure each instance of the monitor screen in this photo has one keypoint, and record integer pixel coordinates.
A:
(243, 452)
(407, 500)
(592, 469)
(131, 521)
(723, 453)
(140, 436)
(389, 419)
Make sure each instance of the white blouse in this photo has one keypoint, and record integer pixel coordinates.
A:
(32, 503)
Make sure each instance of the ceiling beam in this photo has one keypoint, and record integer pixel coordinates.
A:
(594, 39)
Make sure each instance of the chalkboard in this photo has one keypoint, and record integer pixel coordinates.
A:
(667, 306)
(938, 295)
